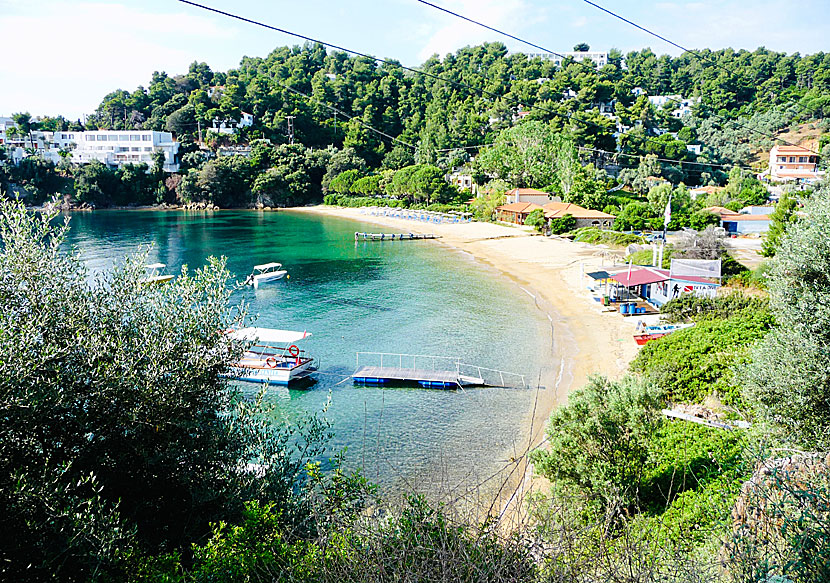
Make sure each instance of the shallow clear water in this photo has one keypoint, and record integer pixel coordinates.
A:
(417, 297)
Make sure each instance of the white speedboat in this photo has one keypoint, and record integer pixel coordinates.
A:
(155, 274)
(274, 358)
(265, 273)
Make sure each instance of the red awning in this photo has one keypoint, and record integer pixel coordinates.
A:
(640, 277)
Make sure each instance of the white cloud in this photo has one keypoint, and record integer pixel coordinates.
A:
(449, 33)
(69, 55)
(579, 22)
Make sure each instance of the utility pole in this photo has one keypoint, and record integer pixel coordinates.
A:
(290, 119)
(335, 123)
(199, 127)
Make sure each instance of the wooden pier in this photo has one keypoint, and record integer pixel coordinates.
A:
(393, 236)
(429, 371)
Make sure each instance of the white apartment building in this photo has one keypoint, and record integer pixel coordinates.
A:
(598, 58)
(116, 148)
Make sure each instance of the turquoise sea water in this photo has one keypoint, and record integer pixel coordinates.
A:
(415, 297)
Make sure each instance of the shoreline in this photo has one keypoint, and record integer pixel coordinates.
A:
(585, 340)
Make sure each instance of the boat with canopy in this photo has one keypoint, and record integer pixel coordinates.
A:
(273, 358)
(265, 273)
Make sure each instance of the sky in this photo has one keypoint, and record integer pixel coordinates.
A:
(62, 56)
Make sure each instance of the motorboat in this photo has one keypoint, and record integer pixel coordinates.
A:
(274, 357)
(265, 273)
(648, 333)
(155, 274)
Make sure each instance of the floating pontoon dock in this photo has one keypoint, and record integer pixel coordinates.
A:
(429, 371)
(393, 236)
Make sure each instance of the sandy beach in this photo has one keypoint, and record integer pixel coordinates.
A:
(586, 340)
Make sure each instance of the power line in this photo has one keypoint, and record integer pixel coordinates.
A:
(699, 55)
(458, 84)
(668, 97)
(351, 118)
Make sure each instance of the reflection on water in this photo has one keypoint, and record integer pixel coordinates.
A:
(399, 297)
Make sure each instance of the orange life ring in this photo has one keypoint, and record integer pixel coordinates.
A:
(271, 362)
(293, 350)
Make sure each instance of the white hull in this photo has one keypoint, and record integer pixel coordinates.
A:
(266, 277)
(257, 368)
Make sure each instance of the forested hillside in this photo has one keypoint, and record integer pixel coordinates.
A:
(441, 115)
(355, 114)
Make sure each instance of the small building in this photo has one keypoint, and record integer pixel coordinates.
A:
(598, 58)
(516, 212)
(750, 222)
(658, 286)
(224, 126)
(529, 195)
(584, 217)
(704, 191)
(793, 163)
(461, 180)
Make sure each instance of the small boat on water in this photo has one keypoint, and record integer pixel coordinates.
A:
(274, 358)
(647, 333)
(155, 274)
(265, 273)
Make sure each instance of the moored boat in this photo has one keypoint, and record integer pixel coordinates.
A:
(646, 334)
(265, 273)
(274, 358)
(155, 274)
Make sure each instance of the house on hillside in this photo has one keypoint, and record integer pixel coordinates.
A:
(584, 217)
(529, 195)
(704, 191)
(753, 221)
(222, 126)
(793, 163)
(516, 212)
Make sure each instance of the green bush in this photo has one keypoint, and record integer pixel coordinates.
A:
(598, 441)
(695, 362)
(689, 307)
(597, 236)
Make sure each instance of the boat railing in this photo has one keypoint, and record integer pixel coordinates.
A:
(413, 361)
(493, 377)
(488, 376)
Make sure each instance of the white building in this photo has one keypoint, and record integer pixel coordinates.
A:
(599, 59)
(116, 148)
(679, 105)
(231, 126)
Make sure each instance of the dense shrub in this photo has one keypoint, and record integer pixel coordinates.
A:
(689, 307)
(598, 441)
(601, 237)
(693, 363)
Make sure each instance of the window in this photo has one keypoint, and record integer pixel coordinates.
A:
(802, 158)
(135, 149)
(146, 138)
(135, 137)
(792, 158)
(782, 158)
(113, 137)
(148, 149)
(102, 138)
(89, 138)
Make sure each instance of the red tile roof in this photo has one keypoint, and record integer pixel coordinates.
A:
(521, 191)
(560, 209)
(518, 207)
(720, 211)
